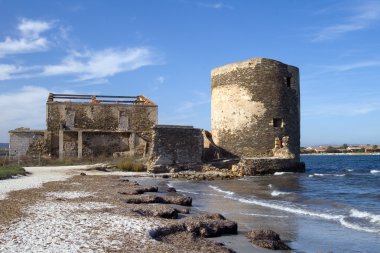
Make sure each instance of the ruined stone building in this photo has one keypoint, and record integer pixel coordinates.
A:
(255, 121)
(87, 126)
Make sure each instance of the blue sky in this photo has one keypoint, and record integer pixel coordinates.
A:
(165, 50)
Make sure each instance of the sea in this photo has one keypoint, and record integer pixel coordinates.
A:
(333, 207)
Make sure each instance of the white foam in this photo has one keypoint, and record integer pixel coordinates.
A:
(374, 218)
(375, 171)
(278, 193)
(282, 173)
(295, 210)
(323, 175)
(357, 227)
(270, 185)
(220, 190)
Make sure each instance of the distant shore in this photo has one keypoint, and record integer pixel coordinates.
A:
(321, 154)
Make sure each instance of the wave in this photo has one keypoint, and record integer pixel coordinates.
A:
(278, 193)
(323, 175)
(220, 190)
(374, 218)
(375, 171)
(302, 211)
(282, 173)
(357, 227)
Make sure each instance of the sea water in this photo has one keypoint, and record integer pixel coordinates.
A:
(333, 207)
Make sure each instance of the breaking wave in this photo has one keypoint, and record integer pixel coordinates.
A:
(278, 193)
(281, 206)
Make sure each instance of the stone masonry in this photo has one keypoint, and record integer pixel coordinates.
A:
(175, 148)
(91, 126)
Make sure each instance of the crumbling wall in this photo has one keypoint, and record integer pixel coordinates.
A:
(106, 127)
(175, 148)
(254, 102)
(111, 117)
(21, 140)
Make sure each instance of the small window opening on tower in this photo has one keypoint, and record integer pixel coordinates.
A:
(277, 122)
(288, 81)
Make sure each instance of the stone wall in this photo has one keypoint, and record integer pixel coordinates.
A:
(21, 140)
(264, 166)
(111, 117)
(253, 103)
(106, 128)
(175, 148)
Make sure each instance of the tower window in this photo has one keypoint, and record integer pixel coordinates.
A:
(277, 122)
(288, 81)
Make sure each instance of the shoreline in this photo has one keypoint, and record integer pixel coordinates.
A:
(35, 217)
(342, 154)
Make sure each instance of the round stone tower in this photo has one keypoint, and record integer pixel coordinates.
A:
(255, 108)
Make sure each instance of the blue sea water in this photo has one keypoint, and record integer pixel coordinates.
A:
(334, 206)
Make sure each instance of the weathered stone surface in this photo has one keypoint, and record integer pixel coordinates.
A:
(252, 103)
(157, 211)
(264, 166)
(175, 148)
(177, 200)
(23, 140)
(135, 190)
(208, 225)
(267, 239)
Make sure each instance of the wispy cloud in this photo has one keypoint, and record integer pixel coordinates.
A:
(362, 18)
(351, 66)
(217, 5)
(200, 99)
(29, 40)
(101, 64)
(161, 79)
(342, 109)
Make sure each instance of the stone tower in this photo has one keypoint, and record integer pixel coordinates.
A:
(255, 108)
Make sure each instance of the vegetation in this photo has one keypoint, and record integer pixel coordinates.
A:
(7, 171)
(128, 164)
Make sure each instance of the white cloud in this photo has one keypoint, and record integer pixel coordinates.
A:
(101, 64)
(30, 39)
(365, 15)
(7, 71)
(22, 108)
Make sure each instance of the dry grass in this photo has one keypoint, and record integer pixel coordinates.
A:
(128, 164)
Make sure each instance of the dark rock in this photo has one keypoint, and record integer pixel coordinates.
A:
(267, 239)
(177, 200)
(139, 190)
(157, 211)
(171, 189)
(212, 225)
(165, 176)
(83, 174)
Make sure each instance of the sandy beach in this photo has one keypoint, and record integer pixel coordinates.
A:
(55, 209)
